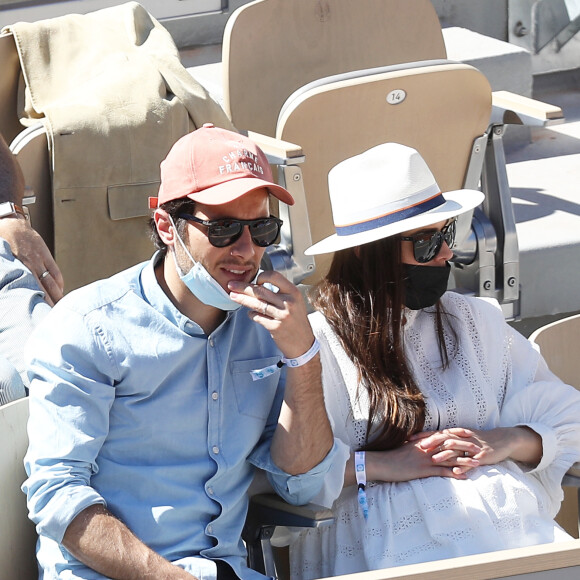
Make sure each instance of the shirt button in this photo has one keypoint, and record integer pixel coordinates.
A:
(214, 396)
(211, 342)
(210, 490)
(210, 529)
(215, 449)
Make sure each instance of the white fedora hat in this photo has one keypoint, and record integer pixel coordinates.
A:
(385, 191)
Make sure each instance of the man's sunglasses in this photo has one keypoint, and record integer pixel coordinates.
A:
(224, 232)
(426, 245)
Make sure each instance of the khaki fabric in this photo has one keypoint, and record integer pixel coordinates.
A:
(114, 97)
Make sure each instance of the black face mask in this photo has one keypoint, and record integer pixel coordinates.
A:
(424, 285)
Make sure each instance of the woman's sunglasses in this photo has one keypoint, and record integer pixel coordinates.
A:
(224, 232)
(426, 245)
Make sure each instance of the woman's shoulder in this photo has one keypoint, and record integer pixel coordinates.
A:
(476, 306)
(318, 322)
(324, 332)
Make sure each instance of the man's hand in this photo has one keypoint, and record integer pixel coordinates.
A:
(30, 249)
(282, 313)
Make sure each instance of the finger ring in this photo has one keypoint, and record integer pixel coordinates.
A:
(264, 308)
(465, 454)
(44, 274)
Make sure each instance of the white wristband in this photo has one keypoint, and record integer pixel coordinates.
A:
(303, 359)
(259, 374)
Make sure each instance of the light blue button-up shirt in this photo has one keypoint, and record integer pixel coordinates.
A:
(133, 406)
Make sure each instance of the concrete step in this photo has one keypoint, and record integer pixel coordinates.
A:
(544, 177)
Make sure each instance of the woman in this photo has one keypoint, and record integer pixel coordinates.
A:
(466, 432)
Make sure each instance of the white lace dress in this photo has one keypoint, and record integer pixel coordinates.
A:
(496, 379)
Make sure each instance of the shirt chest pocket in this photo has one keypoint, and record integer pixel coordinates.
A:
(254, 398)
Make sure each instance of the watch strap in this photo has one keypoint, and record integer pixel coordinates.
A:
(9, 209)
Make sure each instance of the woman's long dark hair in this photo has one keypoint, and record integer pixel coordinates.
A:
(362, 299)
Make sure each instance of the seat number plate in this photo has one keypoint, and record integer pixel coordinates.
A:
(397, 96)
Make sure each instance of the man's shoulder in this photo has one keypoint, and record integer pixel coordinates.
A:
(103, 293)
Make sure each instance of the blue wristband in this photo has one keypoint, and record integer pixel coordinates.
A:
(361, 479)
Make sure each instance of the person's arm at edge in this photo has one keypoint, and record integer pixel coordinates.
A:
(27, 245)
(409, 462)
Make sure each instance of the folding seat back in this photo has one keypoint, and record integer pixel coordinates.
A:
(558, 342)
(437, 107)
(545, 562)
(17, 548)
(339, 77)
(273, 47)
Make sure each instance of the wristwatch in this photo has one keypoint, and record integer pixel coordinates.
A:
(9, 209)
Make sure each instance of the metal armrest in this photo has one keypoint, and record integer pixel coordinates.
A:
(268, 509)
(512, 109)
(266, 512)
(508, 108)
(277, 150)
(497, 248)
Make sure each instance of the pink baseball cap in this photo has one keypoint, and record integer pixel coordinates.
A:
(215, 166)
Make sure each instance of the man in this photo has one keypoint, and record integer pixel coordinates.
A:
(24, 298)
(153, 394)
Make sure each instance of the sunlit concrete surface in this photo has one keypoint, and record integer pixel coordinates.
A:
(544, 177)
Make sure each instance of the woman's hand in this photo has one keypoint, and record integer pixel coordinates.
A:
(488, 447)
(411, 461)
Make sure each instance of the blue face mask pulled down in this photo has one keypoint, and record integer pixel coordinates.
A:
(201, 284)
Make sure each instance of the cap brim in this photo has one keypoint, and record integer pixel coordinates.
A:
(236, 188)
(456, 203)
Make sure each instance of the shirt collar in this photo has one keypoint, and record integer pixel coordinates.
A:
(154, 295)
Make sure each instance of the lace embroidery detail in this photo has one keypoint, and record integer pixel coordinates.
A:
(433, 389)
(351, 551)
(360, 430)
(407, 522)
(443, 504)
(403, 557)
